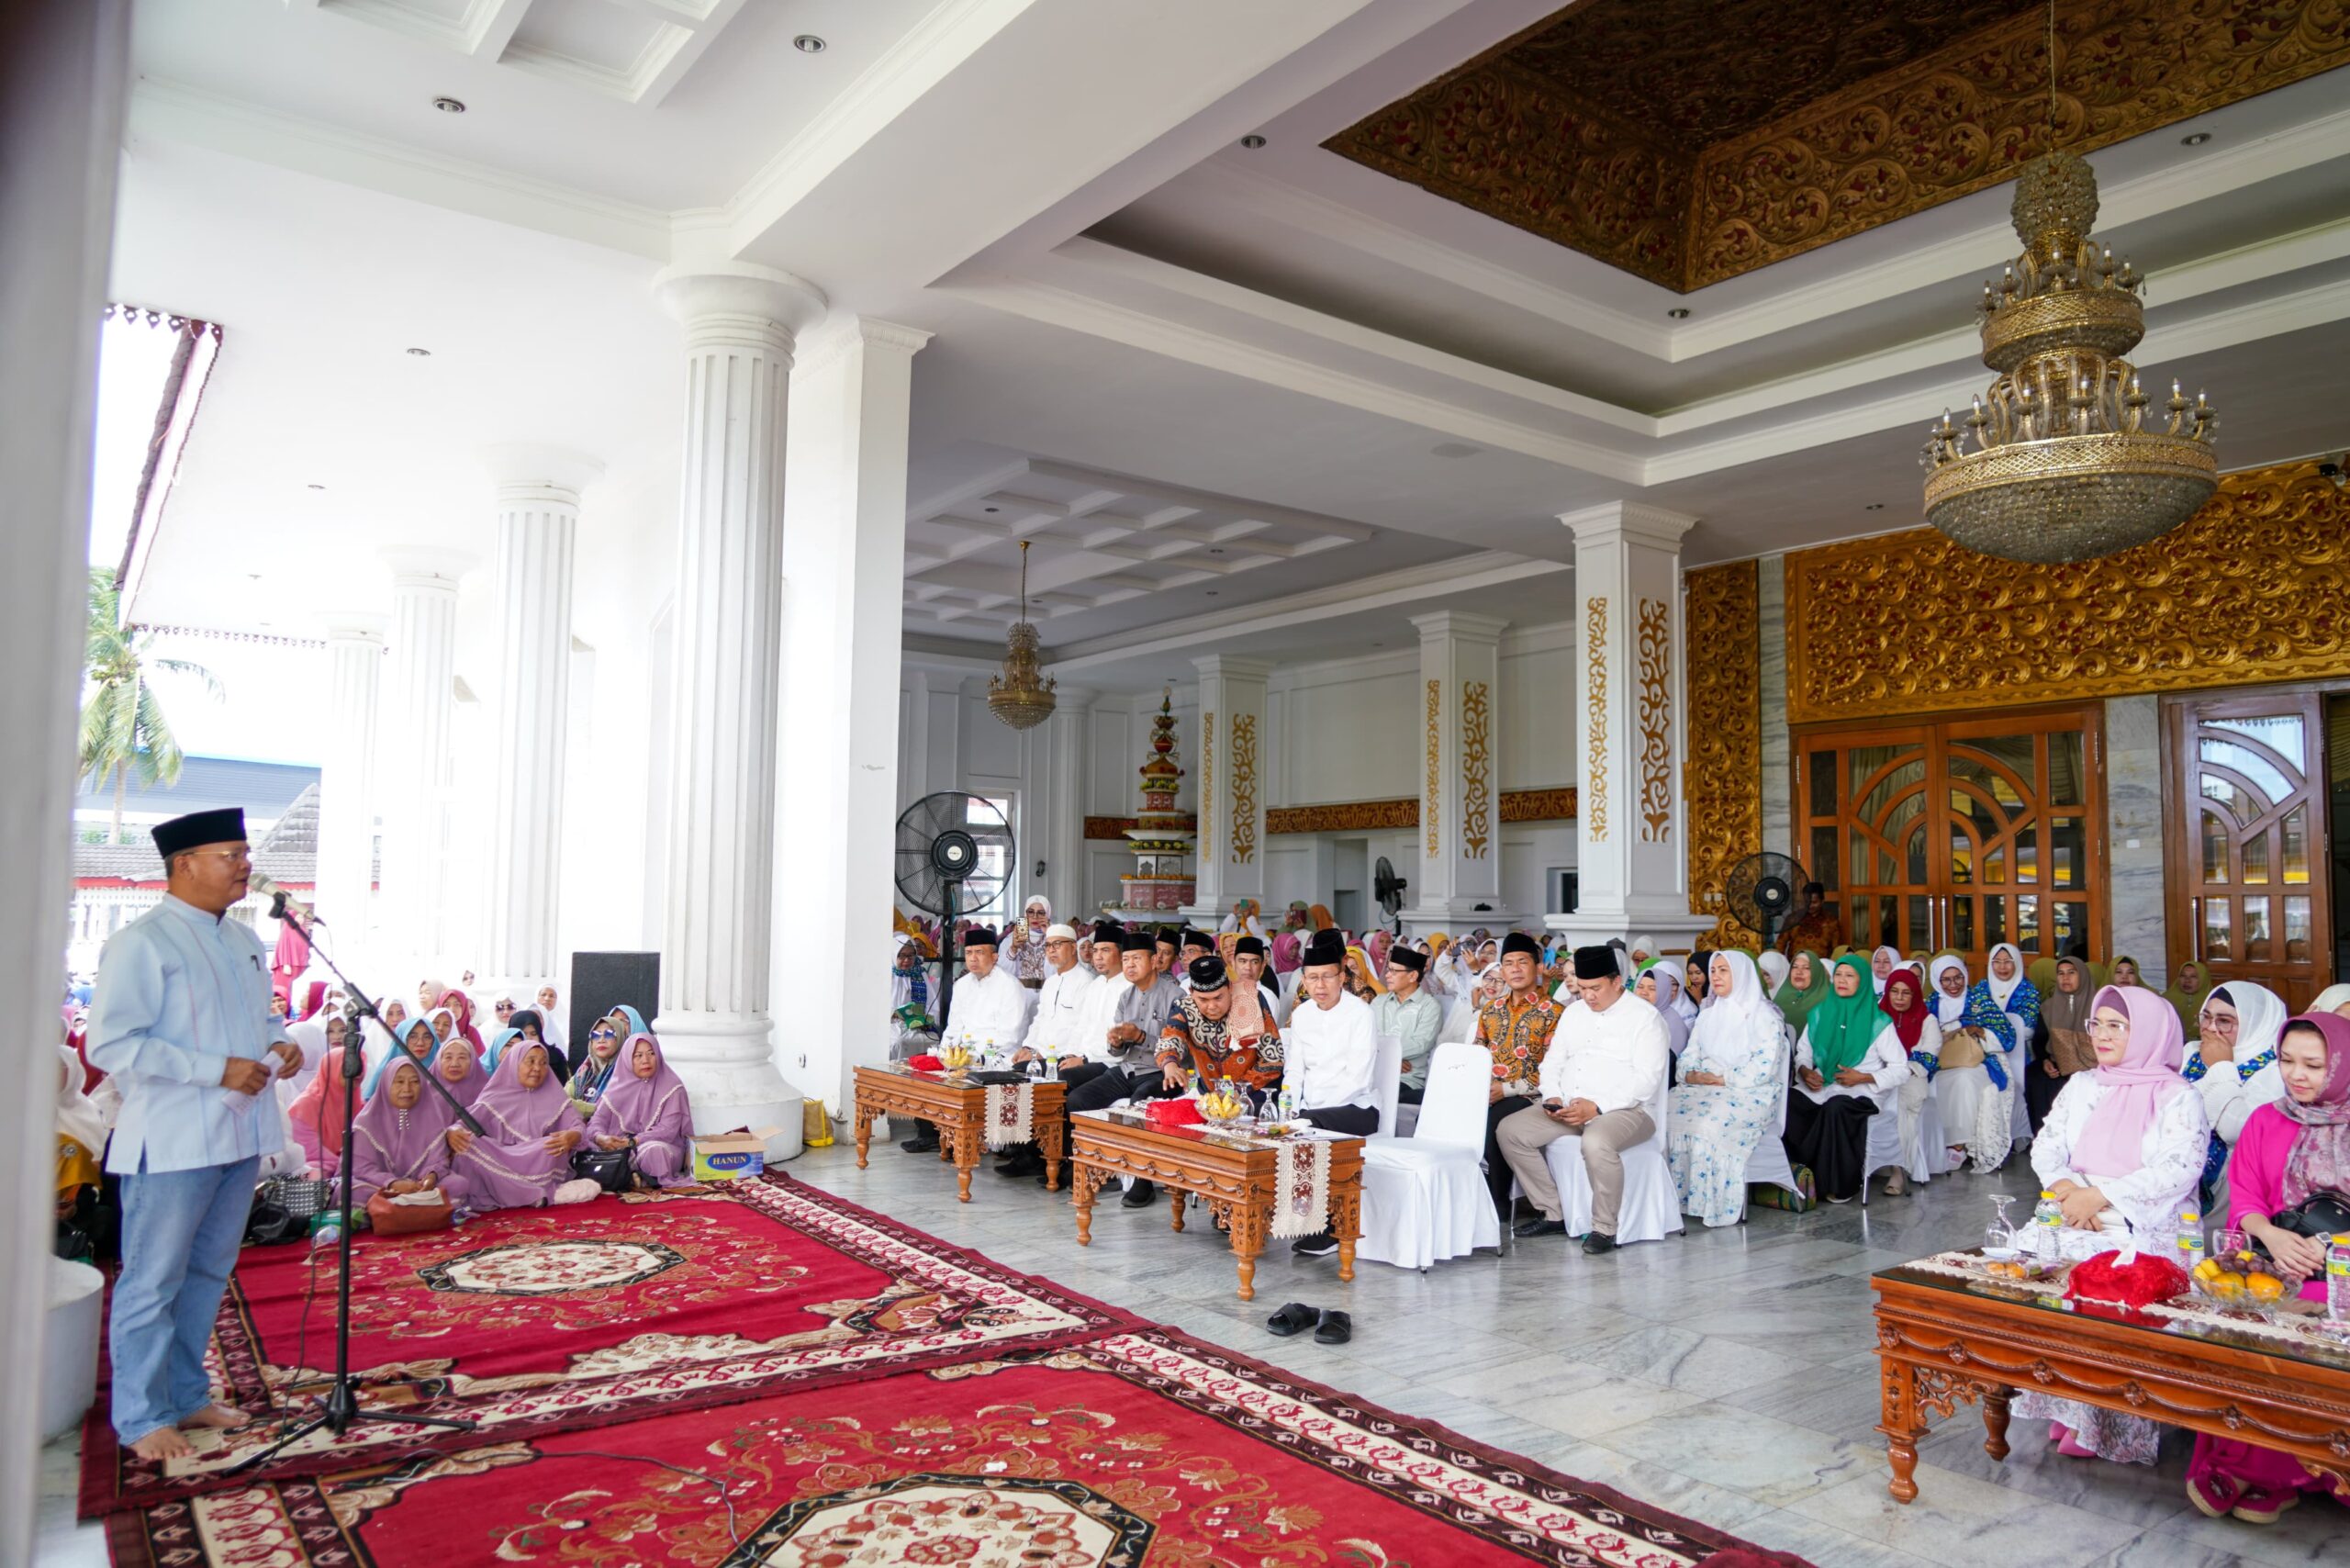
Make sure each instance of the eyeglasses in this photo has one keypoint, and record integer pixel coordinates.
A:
(242, 857)
(2109, 1026)
(506, 1007)
(601, 1035)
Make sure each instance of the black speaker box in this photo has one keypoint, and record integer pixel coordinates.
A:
(601, 981)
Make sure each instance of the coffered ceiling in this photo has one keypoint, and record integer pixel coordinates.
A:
(1688, 141)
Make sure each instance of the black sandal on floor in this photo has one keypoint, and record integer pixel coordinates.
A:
(1336, 1330)
(1294, 1318)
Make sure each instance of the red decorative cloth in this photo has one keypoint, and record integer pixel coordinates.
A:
(2107, 1281)
(1173, 1114)
(925, 1063)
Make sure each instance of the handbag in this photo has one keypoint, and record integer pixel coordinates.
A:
(613, 1169)
(385, 1217)
(1960, 1048)
(283, 1209)
(2320, 1216)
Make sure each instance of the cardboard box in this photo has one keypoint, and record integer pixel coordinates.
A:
(730, 1156)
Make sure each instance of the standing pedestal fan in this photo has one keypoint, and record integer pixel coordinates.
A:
(954, 854)
(1388, 888)
(1761, 891)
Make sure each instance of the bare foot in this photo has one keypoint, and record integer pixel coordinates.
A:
(219, 1417)
(163, 1444)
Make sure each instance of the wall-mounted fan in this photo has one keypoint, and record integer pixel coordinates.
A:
(954, 853)
(1761, 893)
(1388, 888)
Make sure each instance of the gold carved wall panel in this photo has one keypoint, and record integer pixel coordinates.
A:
(1653, 650)
(1207, 785)
(1476, 768)
(1242, 831)
(1595, 729)
(1722, 776)
(2253, 589)
(1435, 768)
(1367, 816)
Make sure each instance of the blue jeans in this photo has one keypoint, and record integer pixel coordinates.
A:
(181, 1230)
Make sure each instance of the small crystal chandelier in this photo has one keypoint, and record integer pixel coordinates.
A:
(1023, 695)
(2067, 464)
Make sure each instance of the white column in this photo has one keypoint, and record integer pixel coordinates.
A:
(1069, 732)
(346, 884)
(414, 785)
(63, 79)
(739, 321)
(1229, 770)
(537, 499)
(845, 562)
(1630, 823)
(1457, 706)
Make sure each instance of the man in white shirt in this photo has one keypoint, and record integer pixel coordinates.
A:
(1606, 1066)
(1330, 1055)
(1054, 1031)
(988, 1011)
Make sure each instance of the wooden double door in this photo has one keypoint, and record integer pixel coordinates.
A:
(2245, 812)
(1959, 834)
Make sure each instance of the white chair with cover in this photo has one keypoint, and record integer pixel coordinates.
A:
(1387, 1081)
(1768, 1162)
(1652, 1206)
(1924, 1159)
(1424, 1197)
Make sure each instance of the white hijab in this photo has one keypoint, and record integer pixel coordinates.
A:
(79, 1116)
(1670, 1001)
(1878, 979)
(1740, 1024)
(1774, 968)
(1644, 948)
(1948, 1009)
(2260, 1018)
(2003, 989)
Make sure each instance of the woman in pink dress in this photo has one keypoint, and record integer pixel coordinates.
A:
(530, 1126)
(2288, 1151)
(645, 1109)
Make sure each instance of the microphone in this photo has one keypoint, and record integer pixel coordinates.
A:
(284, 905)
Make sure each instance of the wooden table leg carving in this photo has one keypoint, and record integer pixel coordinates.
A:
(966, 1160)
(1084, 1181)
(1053, 1140)
(864, 1132)
(1247, 1240)
(1902, 1428)
(1994, 1420)
(1346, 1218)
(1176, 1198)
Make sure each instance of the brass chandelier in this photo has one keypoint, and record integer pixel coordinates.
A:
(1023, 695)
(2066, 463)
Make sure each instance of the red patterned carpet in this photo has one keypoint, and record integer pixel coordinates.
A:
(1134, 1447)
(547, 1320)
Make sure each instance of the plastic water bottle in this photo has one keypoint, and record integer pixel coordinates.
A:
(2337, 1279)
(2190, 1239)
(2047, 1220)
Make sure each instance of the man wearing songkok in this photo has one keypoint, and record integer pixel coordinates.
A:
(1196, 944)
(987, 1012)
(1517, 1029)
(1023, 942)
(1207, 1033)
(1412, 1016)
(1606, 1066)
(1330, 1055)
(1055, 1034)
(1249, 973)
(181, 1021)
(1132, 1041)
(1165, 943)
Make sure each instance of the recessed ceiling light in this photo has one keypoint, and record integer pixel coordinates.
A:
(421, 353)
(1679, 312)
(2194, 138)
(808, 43)
(448, 105)
(1873, 506)
(253, 577)
(317, 487)
(1252, 142)
(1211, 593)
(1216, 549)
(1453, 449)
(991, 508)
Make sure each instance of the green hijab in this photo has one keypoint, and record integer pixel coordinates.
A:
(1843, 1028)
(1795, 1005)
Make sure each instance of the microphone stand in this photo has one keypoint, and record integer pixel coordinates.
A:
(339, 1409)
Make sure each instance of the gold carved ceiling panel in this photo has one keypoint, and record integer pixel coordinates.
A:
(2253, 589)
(1687, 142)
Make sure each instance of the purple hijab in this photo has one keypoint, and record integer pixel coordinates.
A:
(2318, 1160)
(650, 1110)
(467, 1089)
(388, 1145)
(513, 1115)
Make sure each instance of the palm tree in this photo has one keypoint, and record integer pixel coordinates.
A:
(123, 726)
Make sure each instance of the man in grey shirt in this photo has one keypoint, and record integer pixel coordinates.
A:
(1412, 1016)
(1134, 1073)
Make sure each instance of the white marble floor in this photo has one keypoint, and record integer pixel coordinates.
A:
(1726, 1375)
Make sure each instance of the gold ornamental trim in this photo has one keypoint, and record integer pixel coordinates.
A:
(1476, 768)
(1244, 788)
(1722, 774)
(2254, 587)
(1555, 804)
(1436, 769)
(1538, 805)
(1654, 648)
(1207, 784)
(1594, 738)
(2066, 458)
(1114, 829)
(2109, 321)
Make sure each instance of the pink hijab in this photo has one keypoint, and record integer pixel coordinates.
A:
(2114, 1140)
(2320, 1160)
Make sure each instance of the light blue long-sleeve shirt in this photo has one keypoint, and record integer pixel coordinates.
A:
(180, 991)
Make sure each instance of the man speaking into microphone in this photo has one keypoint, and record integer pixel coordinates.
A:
(181, 1019)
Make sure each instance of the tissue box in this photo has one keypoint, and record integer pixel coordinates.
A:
(730, 1156)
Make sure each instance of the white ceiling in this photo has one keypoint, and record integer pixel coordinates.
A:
(1148, 343)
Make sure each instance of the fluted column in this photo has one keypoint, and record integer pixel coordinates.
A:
(537, 496)
(1069, 731)
(1460, 881)
(1229, 773)
(739, 325)
(346, 884)
(420, 768)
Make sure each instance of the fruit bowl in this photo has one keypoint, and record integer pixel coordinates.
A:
(2240, 1281)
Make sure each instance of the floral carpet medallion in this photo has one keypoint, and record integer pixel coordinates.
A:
(542, 1320)
(1134, 1449)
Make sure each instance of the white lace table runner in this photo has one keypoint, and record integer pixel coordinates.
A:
(1010, 1108)
(2290, 1326)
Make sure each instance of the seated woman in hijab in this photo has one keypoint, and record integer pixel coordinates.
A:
(2233, 1064)
(461, 1006)
(1978, 1119)
(1774, 965)
(2122, 1150)
(2060, 1046)
(316, 1120)
(1921, 1036)
(2288, 1151)
(1806, 988)
(456, 1066)
(527, 1022)
(1696, 982)
(397, 1147)
(598, 1067)
(2190, 984)
(444, 1023)
(1733, 1079)
(1882, 963)
(2004, 1007)
(1848, 1063)
(1660, 986)
(646, 1111)
(528, 1128)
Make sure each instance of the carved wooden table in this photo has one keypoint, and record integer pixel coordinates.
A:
(1944, 1341)
(959, 1109)
(1236, 1174)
